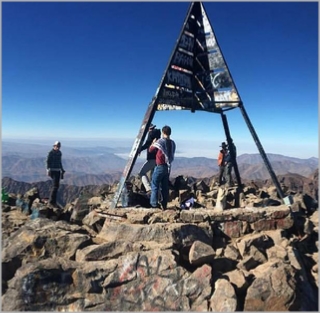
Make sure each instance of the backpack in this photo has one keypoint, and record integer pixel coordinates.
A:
(156, 133)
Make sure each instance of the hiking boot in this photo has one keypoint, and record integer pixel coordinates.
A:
(158, 206)
(55, 205)
(162, 207)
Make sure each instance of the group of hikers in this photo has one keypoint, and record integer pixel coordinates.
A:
(160, 155)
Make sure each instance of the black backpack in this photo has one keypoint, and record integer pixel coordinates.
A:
(156, 133)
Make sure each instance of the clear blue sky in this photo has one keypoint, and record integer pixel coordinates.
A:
(89, 70)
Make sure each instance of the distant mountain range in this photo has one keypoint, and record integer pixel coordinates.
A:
(102, 165)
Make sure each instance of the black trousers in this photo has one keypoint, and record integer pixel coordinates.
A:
(221, 175)
(55, 175)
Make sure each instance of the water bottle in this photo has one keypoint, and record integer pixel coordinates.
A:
(19, 203)
(25, 207)
(35, 213)
(124, 197)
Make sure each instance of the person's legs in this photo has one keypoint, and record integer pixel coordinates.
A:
(55, 175)
(160, 173)
(231, 184)
(221, 174)
(146, 167)
(165, 189)
(155, 184)
(228, 173)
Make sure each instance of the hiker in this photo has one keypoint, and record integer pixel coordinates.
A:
(221, 163)
(165, 149)
(55, 170)
(150, 163)
(229, 161)
(233, 150)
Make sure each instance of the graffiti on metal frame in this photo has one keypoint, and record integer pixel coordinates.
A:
(178, 78)
(183, 59)
(197, 73)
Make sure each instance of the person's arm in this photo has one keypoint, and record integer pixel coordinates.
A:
(220, 158)
(173, 149)
(62, 169)
(152, 147)
(48, 163)
(147, 144)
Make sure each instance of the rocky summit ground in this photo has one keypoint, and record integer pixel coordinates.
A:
(227, 250)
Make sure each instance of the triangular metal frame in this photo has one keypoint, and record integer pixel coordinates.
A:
(197, 78)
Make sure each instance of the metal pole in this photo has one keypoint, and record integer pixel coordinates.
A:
(261, 150)
(135, 150)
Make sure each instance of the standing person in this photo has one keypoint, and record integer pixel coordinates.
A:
(55, 170)
(233, 150)
(165, 149)
(230, 161)
(154, 133)
(228, 166)
(221, 163)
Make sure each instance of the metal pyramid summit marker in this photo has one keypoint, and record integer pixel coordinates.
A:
(197, 76)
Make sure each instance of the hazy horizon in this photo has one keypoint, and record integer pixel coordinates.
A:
(185, 148)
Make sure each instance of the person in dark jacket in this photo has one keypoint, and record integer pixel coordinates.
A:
(229, 163)
(150, 163)
(55, 170)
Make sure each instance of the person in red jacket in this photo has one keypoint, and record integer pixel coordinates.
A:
(222, 163)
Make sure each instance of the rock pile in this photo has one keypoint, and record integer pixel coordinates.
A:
(212, 256)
